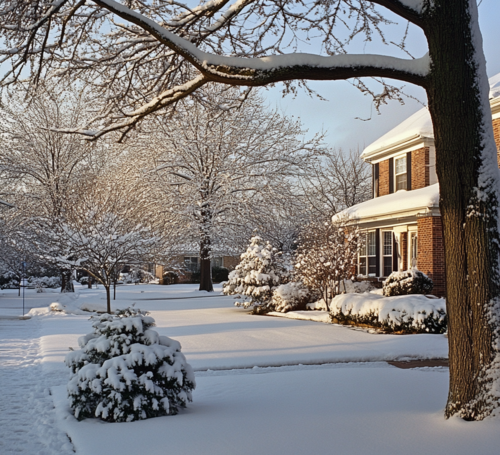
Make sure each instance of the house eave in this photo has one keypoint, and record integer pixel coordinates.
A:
(409, 143)
(396, 217)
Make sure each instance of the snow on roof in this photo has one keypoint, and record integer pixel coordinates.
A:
(495, 86)
(417, 125)
(401, 201)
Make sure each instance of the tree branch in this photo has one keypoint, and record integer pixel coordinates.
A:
(278, 68)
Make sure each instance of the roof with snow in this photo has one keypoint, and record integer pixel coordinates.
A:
(402, 201)
(419, 125)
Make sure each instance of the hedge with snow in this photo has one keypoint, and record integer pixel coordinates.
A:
(407, 314)
(125, 371)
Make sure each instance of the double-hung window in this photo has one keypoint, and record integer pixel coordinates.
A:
(387, 247)
(401, 173)
(368, 255)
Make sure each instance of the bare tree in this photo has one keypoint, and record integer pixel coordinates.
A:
(110, 223)
(37, 165)
(220, 170)
(337, 181)
(326, 256)
(168, 51)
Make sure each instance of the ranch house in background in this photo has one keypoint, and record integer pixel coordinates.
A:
(402, 222)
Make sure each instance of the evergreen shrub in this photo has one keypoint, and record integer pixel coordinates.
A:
(125, 371)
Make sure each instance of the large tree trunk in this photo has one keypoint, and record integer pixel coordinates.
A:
(67, 281)
(108, 297)
(468, 175)
(205, 269)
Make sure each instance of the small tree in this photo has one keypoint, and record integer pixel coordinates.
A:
(150, 375)
(260, 271)
(326, 256)
(109, 224)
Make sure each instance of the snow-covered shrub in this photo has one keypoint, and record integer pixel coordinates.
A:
(403, 314)
(139, 276)
(125, 371)
(357, 287)
(292, 296)
(412, 281)
(45, 282)
(326, 256)
(259, 272)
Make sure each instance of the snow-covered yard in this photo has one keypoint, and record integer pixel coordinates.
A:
(264, 384)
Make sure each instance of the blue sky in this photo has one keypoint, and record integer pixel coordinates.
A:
(345, 103)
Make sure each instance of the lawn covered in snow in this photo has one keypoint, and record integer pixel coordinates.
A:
(259, 385)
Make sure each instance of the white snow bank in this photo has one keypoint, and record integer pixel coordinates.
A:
(423, 198)
(72, 307)
(316, 316)
(340, 409)
(412, 311)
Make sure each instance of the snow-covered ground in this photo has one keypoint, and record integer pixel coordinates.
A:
(259, 385)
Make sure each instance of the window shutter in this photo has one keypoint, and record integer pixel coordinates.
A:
(408, 171)
(375, 180)
(377, 243)
(391, 175)
(394, 254)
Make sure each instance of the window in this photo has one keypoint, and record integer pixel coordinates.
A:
(368, 255)
(413, 249)
(387, 247)
(401, 174)
(191, 263)
(217, 262)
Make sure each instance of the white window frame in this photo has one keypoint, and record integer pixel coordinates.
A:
(396, 173)
(383, 253)
(368, 251)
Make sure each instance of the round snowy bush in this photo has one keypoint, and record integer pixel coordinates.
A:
(125, 371)
(412, 281)
(292, 296)
(259, 272)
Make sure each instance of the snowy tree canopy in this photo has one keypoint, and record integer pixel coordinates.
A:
(167, 50)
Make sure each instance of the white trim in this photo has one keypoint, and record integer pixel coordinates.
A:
(495, 108)
(416, 142)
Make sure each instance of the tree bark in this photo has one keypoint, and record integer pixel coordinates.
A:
(205, 269)
(67, 281)
(108, 298)
(467, 170)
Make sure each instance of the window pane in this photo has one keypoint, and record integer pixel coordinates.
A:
(401, 165)
(362, 265)
(401, 182)
(362, 239)
(387, 266)
(387, 243)
(372, 266)
(372, 244)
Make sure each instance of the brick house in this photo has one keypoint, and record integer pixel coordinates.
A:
(402, 222)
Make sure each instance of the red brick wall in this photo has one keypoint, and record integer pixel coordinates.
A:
(430, 258)
(496, 133)
(420, 168)
(230, 262)
(383, 178)
(404, 249)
